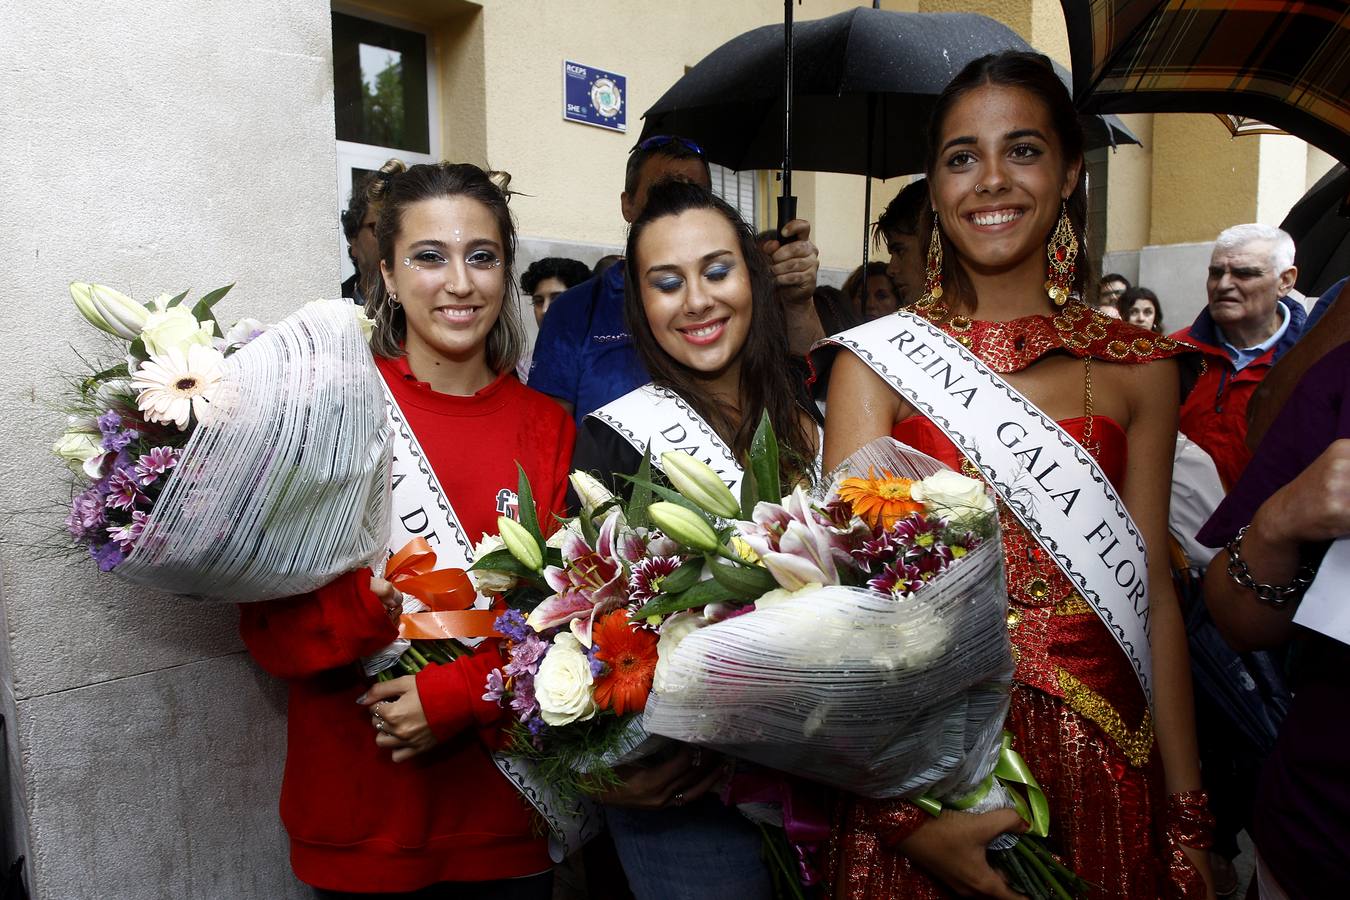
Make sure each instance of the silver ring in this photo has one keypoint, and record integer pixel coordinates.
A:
(678, 799)
(379, 723)
(981, 189)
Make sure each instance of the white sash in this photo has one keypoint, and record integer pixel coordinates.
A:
(1043, 475)
(419, 508)
(660, 417)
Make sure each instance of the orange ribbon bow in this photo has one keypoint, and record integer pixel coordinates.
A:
(448, 592)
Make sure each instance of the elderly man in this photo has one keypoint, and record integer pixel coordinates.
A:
(584, 357)
(1248, 325)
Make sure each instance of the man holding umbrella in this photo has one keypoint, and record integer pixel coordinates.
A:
(584, 357)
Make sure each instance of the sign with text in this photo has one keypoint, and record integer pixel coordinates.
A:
(594, 97)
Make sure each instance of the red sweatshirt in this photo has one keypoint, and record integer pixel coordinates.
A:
(357, 820)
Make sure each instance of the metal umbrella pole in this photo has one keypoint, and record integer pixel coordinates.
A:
(787, 203)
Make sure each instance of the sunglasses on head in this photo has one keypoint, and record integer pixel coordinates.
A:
(662, 140)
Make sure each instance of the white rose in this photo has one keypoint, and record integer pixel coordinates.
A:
(674, 630)
(364, 322)
(782, 595)
(564, 685)
(947, 493)
(490, 581)
(174, 329)
(78, 447)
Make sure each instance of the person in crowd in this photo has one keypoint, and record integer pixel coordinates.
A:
(389, 788)
(707, 326)
(604, 262)
(902, 227)
(1249, 323)
(1275, 527)
(358, 227)
(872, 296)
(1139, 306)
(546, 279)
(1110, 289)
(834, 310)
(584, 356)
(1007, 182)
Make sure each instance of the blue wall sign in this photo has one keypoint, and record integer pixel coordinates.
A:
(594, 97)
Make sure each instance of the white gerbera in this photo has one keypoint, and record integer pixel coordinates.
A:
(177, 384)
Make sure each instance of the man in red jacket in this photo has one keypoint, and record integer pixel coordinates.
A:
(1249, 323)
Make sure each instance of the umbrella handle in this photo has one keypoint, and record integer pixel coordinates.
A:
(787, 211)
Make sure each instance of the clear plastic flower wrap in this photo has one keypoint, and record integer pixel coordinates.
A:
(878, 695)
(284, 485)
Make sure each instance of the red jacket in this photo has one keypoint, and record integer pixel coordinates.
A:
(1214, 413)
(357, 820)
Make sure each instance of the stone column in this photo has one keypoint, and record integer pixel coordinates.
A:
(152, 146)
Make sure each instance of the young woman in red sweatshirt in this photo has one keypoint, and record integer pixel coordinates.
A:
(389, 789)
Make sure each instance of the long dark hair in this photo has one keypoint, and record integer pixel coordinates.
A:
(397, 187)
(1033, 73)
(1135, 294)
(766, 382)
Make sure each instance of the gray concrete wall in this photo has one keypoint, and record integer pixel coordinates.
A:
(153, 146)
(1175, 272)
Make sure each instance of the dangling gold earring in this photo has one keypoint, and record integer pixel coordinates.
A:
(932, 272)
(1062, 252)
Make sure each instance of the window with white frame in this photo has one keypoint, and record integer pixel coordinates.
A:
(384, 100)
(740, 189)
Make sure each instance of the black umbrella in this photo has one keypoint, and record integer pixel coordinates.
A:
(865, 82)
(1284, 62)
(1320, 226)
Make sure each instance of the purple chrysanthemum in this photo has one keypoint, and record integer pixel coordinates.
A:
(898, 579)
(108, 556)
(511, 624)
(154, 464)
(123, 490)
(127, 535)
(523, 702)
(598, 666)
(526, 656)
(110, 422)
(495, 687)
(87, 513)
(645, 582)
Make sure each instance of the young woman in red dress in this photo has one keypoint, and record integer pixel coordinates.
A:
(1006, 178)
(389, 789)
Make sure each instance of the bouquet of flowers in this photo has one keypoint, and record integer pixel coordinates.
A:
(240, 465)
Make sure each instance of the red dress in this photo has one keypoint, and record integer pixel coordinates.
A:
(1078, 715)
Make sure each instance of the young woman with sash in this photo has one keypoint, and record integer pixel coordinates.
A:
(1003, 373)
(389, 789)
(701, 308)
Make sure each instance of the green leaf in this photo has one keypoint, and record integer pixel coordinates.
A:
(502, 561)
(176, 300)
(749, 496)
(764, 461)
(529, 517)
(747, 582)
(641, 497)
(697, 597)
(211, 298)
(588, 529)
(664, 493)
(683, 578)
(137, 350)
(91, 383)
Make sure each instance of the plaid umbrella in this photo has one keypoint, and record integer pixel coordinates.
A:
(1241, 126)
(1283, 62)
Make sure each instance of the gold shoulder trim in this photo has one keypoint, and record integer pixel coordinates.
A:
(1136, 743)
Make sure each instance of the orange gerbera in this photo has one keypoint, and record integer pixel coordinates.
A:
(880, 502)
(630, 654)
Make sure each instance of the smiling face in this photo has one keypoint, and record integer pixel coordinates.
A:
(695, 289)
(1000, 179)
(450, 279)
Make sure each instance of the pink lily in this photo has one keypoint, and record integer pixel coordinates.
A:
(588, 580)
